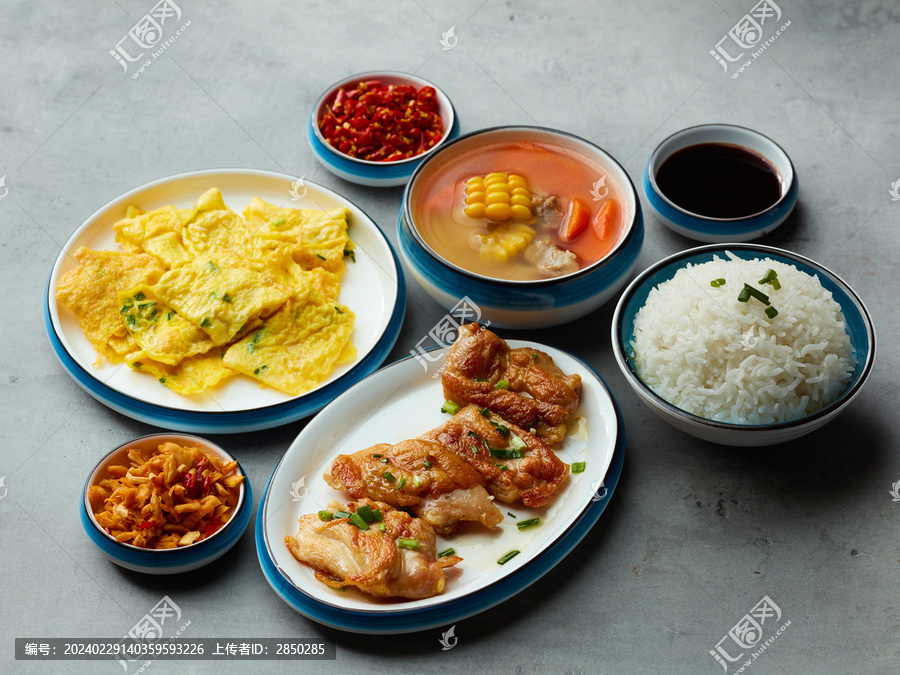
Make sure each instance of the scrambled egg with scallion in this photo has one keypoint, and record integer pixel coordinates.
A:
(199, 295)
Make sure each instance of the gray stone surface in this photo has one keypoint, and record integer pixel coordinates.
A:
(695, 534)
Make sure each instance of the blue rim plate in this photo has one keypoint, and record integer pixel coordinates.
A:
(401, 401)
(373, 288)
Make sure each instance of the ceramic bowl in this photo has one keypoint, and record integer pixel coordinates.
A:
(524, 304)
(721, 230)
(859, 327)
(364, 172)
(175, 560)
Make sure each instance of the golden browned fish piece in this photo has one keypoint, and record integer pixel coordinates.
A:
(399, 561)
(516, 464)
(438, 485)
(481, 369)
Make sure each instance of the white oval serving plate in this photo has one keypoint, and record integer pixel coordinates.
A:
(403, 401)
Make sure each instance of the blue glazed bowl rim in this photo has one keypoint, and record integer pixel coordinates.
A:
(651, 177)
(620, 350)
(194, 548)
(412, 78)
(631, 229)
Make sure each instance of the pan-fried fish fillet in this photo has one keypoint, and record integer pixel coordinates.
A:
(372, 560)
(438, 485)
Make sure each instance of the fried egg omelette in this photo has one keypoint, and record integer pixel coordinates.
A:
(199, 295)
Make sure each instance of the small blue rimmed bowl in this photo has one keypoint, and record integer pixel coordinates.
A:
(365, 172)
(510, 303)
(720, 230)
(173, 560)
(858, 322)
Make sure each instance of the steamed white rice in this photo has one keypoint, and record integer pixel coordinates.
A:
(705, 352)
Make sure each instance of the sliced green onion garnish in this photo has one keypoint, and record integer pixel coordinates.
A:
(380, 525)
(769, 277)
(277, 222)
(485, 412)
(388, 476)
(341, 514)
(506, 557)
(226, 298)
(351, 255)
(319, 255)
(427, 464)
(503, 467)
(385, 460)
(505, 454)
(744, 295)
(771, 312)
(481, 379)
(357, 520)
(409, 544)
(516, 443)
(378, 515)
(416, 481)
(401, 483)
(578, 467)
(140, 294)
(501, 428)
(501, 384)
(377, 455)
(446, 552)
(511, 514)
(325, 516)
(365, 512)
(450, 407)
(528, 523)
(756, 293)
(715, 283)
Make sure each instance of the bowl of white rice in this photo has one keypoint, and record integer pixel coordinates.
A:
(742, 344)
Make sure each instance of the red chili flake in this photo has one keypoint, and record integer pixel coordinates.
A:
(383, 123)
(212, 526)
(147, 524)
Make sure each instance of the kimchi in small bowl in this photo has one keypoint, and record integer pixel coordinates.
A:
(166, 503)
(536, 227)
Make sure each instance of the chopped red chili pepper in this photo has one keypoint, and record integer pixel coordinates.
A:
(147, 524)
(212, 526)
(383, 123)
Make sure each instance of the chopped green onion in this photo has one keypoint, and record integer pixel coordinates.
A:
(450, 407)
(416, 481)
(140, 294)
(744, 295)
(351, 255)
(776, 284)
(319, 255)
(388, 476)
(162, 380)
(505, 454)
(475, 449)
(378, 515)
(226, 298)
(485, 412)
(277, 222)
(446, 552)
(338, 310)
(357, 520)
(205, 322)
(409, 544)
(511, 514)
(771, 312)
(715, 283)
(481, 379)
(516, 443)
(211, 266)
(341, 514)
(401, 483)
(770, 276)
(578, 467)
(385, 460)
(528, 523)
(365, 512)
(501, 384)
(506, 557)
(503, 467)
(427, 464)
(502, 429)
(377, 455)
(750, 291)
(380, 525)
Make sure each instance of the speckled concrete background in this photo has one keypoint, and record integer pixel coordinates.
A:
(694, 536)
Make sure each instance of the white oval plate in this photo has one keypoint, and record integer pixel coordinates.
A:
(372, 287)
(404, 401)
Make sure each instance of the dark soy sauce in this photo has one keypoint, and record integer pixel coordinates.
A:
(718, 180)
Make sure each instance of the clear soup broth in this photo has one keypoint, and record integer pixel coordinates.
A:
(520, 210)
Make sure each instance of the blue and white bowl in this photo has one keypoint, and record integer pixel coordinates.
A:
(859, 327)
(721, 230)
(525, 304)
(365, 172)
(174, 560)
